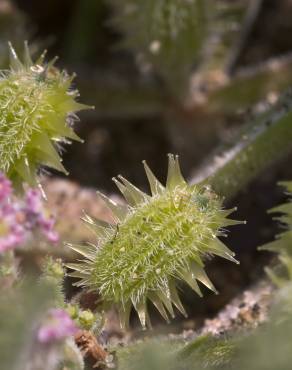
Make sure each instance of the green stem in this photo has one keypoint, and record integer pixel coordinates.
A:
(85, 27)
(260, 144)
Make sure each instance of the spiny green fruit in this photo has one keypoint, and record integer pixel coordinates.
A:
(37, 111)
(156, 242)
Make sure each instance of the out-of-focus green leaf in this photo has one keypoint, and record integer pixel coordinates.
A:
(252, 85)
(175, 36)
(20, 310)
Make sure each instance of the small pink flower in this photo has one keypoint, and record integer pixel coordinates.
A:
(12, 233)
(36, 217)
(57, 326)
(20, 218)
(33, 201)
(10, 242)
(47, 227)
(5, 188)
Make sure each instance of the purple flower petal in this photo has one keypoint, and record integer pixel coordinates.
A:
(5, 187)
(20, 218)
(57, 327)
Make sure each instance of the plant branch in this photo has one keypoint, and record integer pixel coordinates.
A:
(257, 146)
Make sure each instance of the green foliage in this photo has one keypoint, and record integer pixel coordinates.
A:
(72, 357)
(177, 37)
(8, 268)
(267, 348)
(53, 273)
(204, 352)
(283, 243)
(168, 34)
(20, 309)
(157, 241)
(37, 108)
(251, 85)
(151, 354)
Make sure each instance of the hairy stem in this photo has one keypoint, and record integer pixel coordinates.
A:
(258, 145)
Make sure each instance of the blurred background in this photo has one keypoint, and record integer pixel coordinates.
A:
(149, 101)
(136, 117)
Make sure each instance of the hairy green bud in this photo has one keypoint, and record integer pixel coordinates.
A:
(85, 319)
(156, 242)
(37, 111)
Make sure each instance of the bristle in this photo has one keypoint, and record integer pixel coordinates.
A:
(136, 194)
(155, 186)
(124, 315)
(87, 250)
(218, 248)
(15, 63)
(174, 176)
(100, 228)
(158, 304)
(201, 276)
(175, 298)
(140, 308)
(41, 58)
(26, 56)
(120, 211)
(164, 296)
(190, 279)
(127, 195)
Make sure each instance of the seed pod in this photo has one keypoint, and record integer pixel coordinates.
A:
(37, 111)
(157, 241)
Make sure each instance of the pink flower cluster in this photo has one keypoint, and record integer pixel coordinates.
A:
(19, 218)
(35, 217)
(57, 326)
